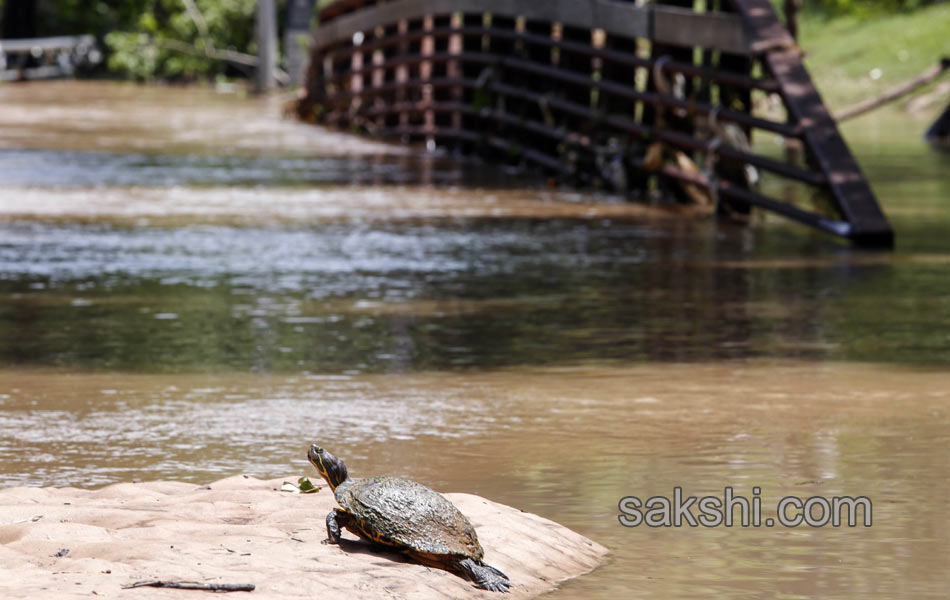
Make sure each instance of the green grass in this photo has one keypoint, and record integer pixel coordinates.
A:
(843, 51)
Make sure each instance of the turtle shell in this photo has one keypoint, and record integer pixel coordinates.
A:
(402, 513)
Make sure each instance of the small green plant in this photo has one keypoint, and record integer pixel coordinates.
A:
(303, 486)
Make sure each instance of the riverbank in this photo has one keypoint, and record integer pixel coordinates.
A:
(853, 58)
(71, 543)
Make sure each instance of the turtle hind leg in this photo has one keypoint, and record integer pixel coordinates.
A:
(485, 577)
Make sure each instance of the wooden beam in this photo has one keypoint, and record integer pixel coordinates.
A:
(664, 24)
(685, 27)
(849, 188)
(614, 17)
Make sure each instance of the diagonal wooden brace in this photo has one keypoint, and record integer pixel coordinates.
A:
(852, 196)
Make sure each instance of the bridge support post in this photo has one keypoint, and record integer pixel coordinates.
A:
(266, 30)
(297, 38)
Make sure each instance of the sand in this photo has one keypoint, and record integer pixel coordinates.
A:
(244, 530)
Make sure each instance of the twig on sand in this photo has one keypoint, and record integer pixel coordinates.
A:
(192, 585)
(33, 519)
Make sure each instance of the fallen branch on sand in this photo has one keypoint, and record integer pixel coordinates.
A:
(191, 585)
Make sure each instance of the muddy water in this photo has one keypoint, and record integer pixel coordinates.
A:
(191, 288)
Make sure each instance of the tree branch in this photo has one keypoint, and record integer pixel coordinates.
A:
(191, 585)
(231, 56)
(893, 94)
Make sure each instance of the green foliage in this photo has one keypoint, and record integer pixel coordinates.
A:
(73, 17)
(865, 8)
(132, 53)
(147, 39)
(156, 46)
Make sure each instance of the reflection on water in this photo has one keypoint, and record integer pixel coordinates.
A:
(385, 295)
(61, 168)
(78, 169)
(191, 287)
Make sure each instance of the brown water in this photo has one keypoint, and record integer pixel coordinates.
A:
(191, 288)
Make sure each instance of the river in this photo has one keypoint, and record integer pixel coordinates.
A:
(192, 287)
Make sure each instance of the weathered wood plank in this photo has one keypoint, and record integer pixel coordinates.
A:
(685, 27)
(340, 7)
(613, 17)
(665, 24)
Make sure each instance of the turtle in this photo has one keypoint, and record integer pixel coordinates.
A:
(406, 516)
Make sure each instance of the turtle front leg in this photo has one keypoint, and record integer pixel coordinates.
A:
(336, 521)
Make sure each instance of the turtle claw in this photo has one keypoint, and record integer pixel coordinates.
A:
(495, 586)
(485, 576)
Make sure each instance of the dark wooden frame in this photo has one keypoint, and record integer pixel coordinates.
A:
(526, 81)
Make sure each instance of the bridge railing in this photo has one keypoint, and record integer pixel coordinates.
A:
(42, 58)
(603, 92)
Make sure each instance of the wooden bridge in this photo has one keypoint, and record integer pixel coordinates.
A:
(638, 98)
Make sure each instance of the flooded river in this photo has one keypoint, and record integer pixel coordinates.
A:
(191, 288)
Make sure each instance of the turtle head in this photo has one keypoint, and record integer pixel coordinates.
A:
(330, 467)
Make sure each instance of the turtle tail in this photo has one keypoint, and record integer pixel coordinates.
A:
(485, 577)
